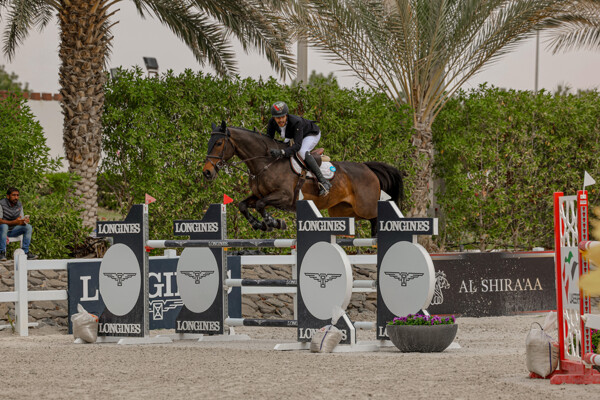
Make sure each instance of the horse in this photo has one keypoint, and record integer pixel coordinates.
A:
(355, 191)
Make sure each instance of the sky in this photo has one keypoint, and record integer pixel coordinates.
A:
(36, 60)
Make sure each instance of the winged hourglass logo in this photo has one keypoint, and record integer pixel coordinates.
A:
(197, 275)
(322, 278)
(404, 277)
(120, 276)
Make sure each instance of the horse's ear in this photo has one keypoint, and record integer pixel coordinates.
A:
(213, 127)
(223, 126)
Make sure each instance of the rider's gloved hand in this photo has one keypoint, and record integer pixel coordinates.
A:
(277, 153)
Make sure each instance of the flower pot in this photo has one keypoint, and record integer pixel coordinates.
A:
(422, 338)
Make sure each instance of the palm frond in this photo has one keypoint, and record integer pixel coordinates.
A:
(22, 15)
(424, 48)
(577, 26)
(205, 37)
(206, 25)
(258, 25)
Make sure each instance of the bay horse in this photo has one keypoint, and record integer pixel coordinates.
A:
(355, 191)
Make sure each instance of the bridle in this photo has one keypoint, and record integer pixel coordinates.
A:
(221, 163)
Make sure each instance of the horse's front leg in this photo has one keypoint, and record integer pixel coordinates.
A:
(274, 199)
(250, 202)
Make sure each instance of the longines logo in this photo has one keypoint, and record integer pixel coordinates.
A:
(308, 333)
(322, 278)
(404, 226)
(196, 227)
(120, 276)
(322, 226)
(212, 326)
(404, 277)
(119, 328)
(197, 275)
(107, 229)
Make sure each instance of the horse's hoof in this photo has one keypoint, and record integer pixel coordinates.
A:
(281, 224)
(265, 227)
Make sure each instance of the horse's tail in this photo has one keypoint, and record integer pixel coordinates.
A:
(390, 180)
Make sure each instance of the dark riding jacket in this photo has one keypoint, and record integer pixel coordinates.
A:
(297, 128)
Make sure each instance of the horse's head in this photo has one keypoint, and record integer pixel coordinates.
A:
(220, 149)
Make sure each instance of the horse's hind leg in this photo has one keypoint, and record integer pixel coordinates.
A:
(250, 202)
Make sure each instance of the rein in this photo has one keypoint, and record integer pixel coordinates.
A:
(222, 164)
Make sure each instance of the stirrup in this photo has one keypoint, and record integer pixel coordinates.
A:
(324, 191)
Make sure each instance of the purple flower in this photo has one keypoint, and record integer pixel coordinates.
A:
(429, 320)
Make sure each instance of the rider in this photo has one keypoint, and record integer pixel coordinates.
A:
(306, 135)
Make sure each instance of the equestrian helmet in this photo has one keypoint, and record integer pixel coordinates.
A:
(279, 109)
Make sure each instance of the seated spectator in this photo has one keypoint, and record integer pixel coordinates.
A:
(14, 223)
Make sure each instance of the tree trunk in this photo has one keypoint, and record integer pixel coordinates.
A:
(83, 45)
(422, 196)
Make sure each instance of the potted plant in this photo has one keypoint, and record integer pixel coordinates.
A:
(422, 333)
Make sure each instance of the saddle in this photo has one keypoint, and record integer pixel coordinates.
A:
(327, 169)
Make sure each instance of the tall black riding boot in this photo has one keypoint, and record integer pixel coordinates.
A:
(324, 184)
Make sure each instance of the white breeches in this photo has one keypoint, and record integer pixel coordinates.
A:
(308, 143)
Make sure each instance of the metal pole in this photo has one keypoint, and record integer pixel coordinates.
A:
(537, 60)
(302, 61)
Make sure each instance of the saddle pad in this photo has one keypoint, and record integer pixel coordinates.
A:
(327, 169)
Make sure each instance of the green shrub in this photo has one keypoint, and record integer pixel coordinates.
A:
(502, 154)
(24, 156)
(47, 195)
(56, 217)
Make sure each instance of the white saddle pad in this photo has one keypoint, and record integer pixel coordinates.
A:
(327, 169)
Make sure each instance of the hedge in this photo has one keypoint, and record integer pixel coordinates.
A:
(502, 154)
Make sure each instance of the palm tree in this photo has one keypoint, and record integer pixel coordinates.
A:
(85, 37)
(578, 26)
(418, 52)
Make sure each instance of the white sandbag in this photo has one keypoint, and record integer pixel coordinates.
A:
(541, 352)
(326, 338)
(550, 323)
(85, 325)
